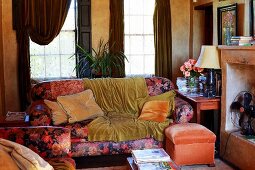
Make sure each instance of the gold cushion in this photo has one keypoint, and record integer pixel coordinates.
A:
(167, 96)
(155, 110)
(80, 106)
(58, 114)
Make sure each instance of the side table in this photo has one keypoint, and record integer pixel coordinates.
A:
(200, 103)
(19, 123)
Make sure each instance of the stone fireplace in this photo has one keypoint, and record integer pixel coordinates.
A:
(238, 74)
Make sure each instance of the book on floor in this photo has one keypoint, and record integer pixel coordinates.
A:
(150, 155)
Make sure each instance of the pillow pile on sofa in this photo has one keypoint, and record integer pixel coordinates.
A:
(74, 108)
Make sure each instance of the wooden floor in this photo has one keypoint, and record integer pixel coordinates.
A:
(119, 162)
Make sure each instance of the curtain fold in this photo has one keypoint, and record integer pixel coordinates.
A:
(41, 20)
(116, 34)
(163, 38)
(45, 19)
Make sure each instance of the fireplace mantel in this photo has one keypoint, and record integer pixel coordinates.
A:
(238, 74)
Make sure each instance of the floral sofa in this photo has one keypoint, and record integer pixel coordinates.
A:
(72, 139)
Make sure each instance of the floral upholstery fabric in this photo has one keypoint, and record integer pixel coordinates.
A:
(46, 141)
(109, 148)
(79, 129)
(183, 111)
(40, 114)
(158, 85)
(52, 89)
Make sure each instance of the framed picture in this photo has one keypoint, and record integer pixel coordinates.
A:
(227, 23)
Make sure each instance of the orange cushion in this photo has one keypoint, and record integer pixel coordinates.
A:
(155, 111)
(188, 133)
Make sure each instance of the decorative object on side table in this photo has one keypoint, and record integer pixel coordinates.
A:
(191, 73)
(209, 59)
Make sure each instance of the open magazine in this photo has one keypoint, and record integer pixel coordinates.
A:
(150, 155)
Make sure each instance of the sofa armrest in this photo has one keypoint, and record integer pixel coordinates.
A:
(183, 111)
(48, 142)
(39, 114)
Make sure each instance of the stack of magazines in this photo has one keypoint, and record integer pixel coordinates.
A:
(152, 159)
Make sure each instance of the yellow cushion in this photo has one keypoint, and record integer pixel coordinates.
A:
(6, 161)
(80, 106)
(155, 110)
(58, 114)
(167, 96)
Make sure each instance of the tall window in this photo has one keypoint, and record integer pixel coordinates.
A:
(54, 60)
(139, 38)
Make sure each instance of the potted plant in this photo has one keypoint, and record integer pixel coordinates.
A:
(101, 61)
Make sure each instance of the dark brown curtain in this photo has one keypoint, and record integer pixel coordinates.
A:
(116, 34)
(163, 39)
(45, 19)
(42, 21)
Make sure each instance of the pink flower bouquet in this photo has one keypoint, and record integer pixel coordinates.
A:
(189, 70)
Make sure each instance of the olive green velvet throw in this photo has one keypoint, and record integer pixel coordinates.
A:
(119, 98)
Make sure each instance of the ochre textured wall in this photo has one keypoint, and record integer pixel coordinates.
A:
(180, 10)
(198, 31)
(100, 14)
(9, 59)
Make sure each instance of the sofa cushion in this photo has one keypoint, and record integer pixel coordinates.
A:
(80, 106)
(155, 111)
(82, 148)
(58, 114)
(168, 96)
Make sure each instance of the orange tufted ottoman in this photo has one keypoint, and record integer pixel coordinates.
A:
(190, 143)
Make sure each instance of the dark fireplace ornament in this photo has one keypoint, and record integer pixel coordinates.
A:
(243, 108)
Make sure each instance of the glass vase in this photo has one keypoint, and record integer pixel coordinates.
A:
(192, 85)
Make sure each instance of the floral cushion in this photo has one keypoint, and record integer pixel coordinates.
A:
(158, 85)
(46, 141)
(183, 111)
